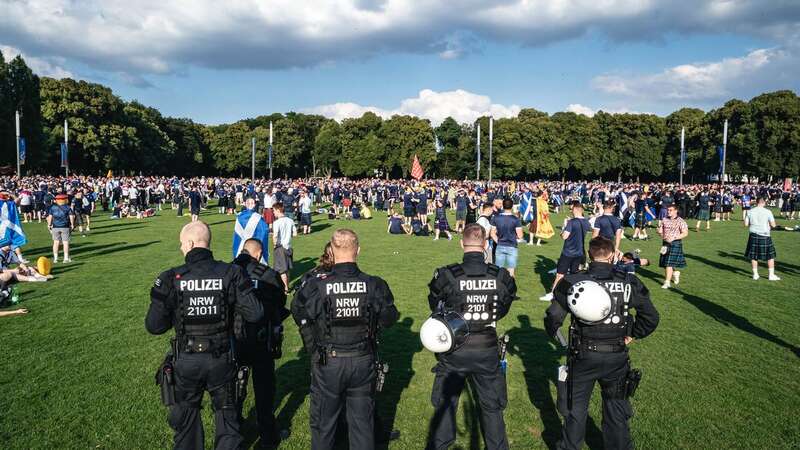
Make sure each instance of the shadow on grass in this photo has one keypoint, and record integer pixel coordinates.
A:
(718, 265)
(292, 385)
(316, 227)
(300, 267)
(400, 345)
(727, 317)
(106, 249)
(116, 229)
(779, 266)
(542, 267)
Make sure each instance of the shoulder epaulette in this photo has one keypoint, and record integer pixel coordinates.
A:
(456, 270)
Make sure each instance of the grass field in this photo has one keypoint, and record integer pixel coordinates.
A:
(721, 371)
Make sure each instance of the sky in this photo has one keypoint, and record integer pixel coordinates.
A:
(218, 62)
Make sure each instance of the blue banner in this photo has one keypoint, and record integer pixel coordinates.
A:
(22, 150)
(64, 160)
(721, 152)
(269, 156)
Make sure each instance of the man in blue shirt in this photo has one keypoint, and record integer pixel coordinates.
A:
(506, 231)
(461, 202)
(608, 225)
(60, 221)
(573, 254)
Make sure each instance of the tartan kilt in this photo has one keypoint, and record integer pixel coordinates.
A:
(640, 221)
(703, 214)
(760, 248)
(674, 256)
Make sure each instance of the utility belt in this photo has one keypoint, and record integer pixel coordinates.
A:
(216, 346)
(603, 346)
(482, 340)
(324, 352)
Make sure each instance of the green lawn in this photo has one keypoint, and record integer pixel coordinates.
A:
(721, 371)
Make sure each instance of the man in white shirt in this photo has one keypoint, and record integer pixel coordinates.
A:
(484, 221)
(282, 228)
(304, 204)
(760, 221)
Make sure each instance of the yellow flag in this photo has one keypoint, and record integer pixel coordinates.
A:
(544, 229)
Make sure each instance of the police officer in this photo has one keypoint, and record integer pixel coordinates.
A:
(199, 298)
(599, 349)
(340, 313)
(482, 293)
(259, 343)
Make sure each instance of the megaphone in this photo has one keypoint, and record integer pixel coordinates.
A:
(444, 332)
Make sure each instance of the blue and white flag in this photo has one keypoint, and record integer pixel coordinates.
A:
(526, 204)
(721, 152)
(249, 224)
(10, 227)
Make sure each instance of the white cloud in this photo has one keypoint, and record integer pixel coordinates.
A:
(48, 67)
(577, 108)
(461, 105)
(154, 36)
(760, 69)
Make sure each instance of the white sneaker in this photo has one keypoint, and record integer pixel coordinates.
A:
(676, 277)
(546, 297)
(55, 260)
(756, 276)
(665, 285)
(67, 260)
(774, 278)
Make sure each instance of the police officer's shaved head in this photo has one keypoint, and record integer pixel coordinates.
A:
(195, 234)
(473, 236)
(253, 248)
(344, 244)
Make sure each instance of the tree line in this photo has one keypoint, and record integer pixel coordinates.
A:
(108, 133)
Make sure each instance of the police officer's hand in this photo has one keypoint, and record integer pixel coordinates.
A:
(628, 340)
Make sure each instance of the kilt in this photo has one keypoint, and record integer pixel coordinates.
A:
(269, 215)
(760, 248)
(674, 256)
(442, 224)
(703, 214)
(727, 208)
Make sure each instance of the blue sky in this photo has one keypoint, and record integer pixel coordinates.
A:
(217, 65)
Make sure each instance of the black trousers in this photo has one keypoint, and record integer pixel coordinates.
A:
(343, 381)
(194, 374)
(481, 367)
(609, 369)
(263, 374)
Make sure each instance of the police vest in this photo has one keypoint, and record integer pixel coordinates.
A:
(475, 296)
(347, 309)
(202, 301)
(617, 324)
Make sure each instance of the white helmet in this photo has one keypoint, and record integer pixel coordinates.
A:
(589, 301)
(444, 332)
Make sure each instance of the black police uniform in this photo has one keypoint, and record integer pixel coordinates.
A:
(259, 343)
(199, 299)
(601, 354)
(482, 293)
(339, 313)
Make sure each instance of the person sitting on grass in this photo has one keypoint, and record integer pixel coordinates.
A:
(16, 312)
(630, 261)
(23, 272)
(418, 228)
(396, 224)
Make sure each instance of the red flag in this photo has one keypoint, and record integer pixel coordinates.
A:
(416, 169)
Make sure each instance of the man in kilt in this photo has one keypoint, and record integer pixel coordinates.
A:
(760, 222)
(673, 230)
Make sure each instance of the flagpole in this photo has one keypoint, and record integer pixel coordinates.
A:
(270, 150)
(66, 146)
(253, 162)
(681, 165)
(724, 151)
(16, 121)
(491, 121)
(478, 176)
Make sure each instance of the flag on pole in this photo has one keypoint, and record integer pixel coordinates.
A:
(416, 169)
(64, 160)
(438, 144)
(10, 227)
(250, 224)
(22, 151)
(721, 152)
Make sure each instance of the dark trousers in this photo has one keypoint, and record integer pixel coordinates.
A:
(609, 369)
(481, 367)
(342, 381)
(263, 373)
(194, 374)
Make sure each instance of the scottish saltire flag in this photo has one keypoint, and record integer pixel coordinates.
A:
(10, 227)
(721, 152)
(526, 206)
(249, 224)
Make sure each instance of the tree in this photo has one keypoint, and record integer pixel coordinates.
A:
(696, 143)
(328, 147)
(402, 138)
